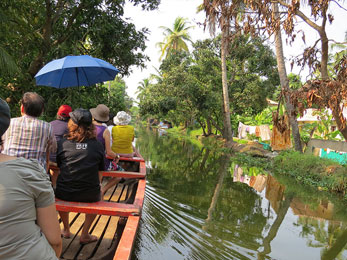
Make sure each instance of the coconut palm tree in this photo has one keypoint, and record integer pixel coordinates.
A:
(176, 38)
(142, 88)
(221, 13)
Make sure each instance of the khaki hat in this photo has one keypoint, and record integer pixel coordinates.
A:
(101, 113)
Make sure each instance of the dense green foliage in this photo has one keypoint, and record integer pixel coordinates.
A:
(188, 90)
(319, 173)
(308, 191)
(36, 32)
(312, 170)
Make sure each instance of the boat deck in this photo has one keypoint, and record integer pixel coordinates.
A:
(107, 228)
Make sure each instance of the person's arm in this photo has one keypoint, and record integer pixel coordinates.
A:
(47, 159)
(109, 152)
(52, 142)
(100, 150)
(53, 145)
(47, 220)
(100, 179)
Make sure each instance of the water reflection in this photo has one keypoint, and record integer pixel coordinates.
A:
(201, 205)
(332, 238)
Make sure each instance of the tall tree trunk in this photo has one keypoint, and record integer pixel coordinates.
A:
(325, 55)
(285, 84)
(227, 133)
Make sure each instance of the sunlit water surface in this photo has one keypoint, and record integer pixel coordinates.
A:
(201, 205)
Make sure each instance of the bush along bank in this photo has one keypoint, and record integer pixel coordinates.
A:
(324, 174)
(307, 169)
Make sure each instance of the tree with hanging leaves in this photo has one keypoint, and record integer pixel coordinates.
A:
(271, 16)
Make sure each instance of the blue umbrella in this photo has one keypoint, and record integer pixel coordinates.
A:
(72, 71)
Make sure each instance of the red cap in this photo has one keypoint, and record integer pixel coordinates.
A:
(64, 110)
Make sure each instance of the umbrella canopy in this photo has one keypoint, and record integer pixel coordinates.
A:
(72, 71)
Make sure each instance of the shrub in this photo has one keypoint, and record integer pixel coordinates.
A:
(315, 171)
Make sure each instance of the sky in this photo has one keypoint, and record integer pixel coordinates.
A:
(169, 10)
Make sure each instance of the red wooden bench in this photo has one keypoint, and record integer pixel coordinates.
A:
(122, 174)
(100, 208)
(132, 159)
(112, 208)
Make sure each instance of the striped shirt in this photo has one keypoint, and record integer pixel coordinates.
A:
(29, 137)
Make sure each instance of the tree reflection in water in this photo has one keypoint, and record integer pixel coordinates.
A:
(199, 205)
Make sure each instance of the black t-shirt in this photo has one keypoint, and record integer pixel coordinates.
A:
(79, 165)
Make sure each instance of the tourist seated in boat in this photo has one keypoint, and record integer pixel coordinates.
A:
(59, 127)
(27, 136)
(29, 227)
(100, 116)
(123, 135)
(80, 157)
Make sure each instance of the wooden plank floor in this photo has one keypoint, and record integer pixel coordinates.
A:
(104, 227)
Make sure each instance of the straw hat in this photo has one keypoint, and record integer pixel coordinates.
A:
(122, 118)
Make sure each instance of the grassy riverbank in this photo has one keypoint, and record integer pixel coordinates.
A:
(323, 174)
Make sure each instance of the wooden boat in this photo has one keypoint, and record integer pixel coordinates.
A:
(118, 216)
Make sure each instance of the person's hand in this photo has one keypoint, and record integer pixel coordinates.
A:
(116, 160)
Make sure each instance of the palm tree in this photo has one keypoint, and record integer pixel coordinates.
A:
(221, 13)
(142, 88)
(175, 38)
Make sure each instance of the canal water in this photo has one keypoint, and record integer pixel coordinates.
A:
(200, 204)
